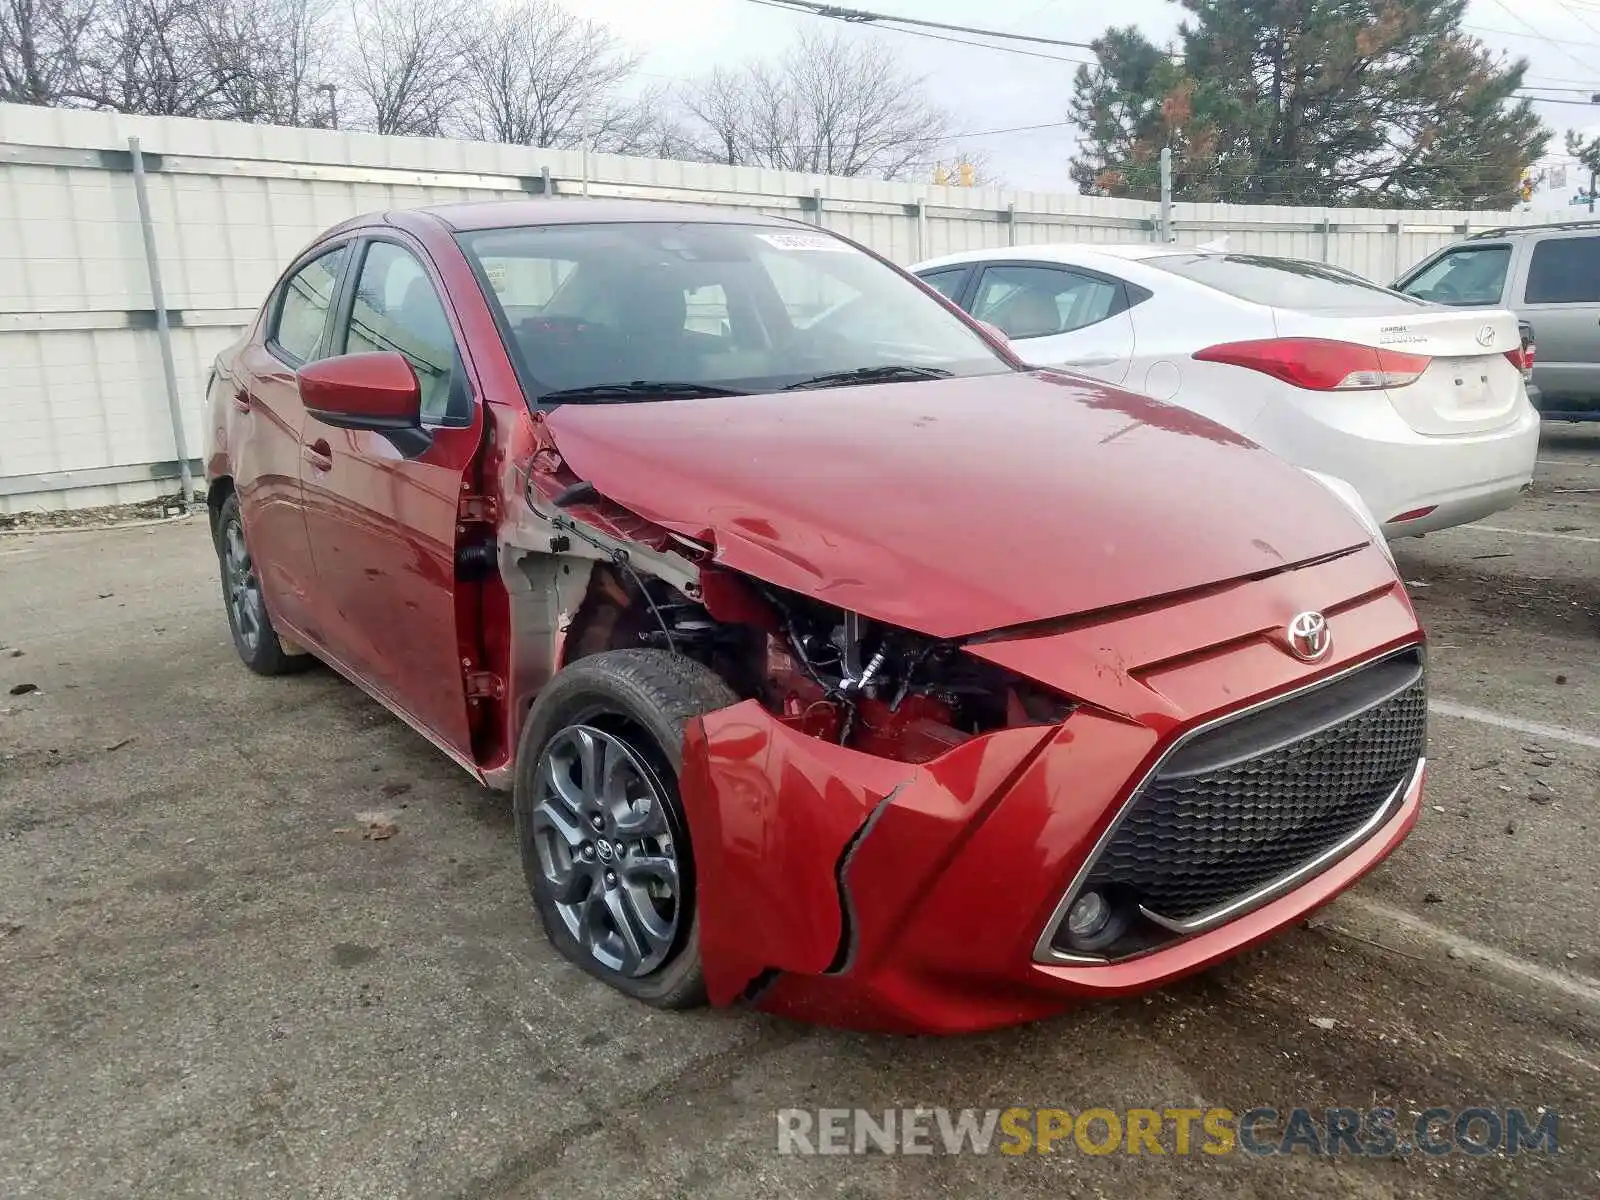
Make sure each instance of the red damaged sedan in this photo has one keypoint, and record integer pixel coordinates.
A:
(839, 663)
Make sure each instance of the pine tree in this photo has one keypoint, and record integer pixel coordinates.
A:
(1385, 103)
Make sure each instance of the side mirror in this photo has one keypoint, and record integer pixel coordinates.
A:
(363, 391)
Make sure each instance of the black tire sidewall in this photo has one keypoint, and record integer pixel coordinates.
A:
(268, 657)
(579, 693)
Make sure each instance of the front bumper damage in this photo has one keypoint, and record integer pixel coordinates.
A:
(848, 889)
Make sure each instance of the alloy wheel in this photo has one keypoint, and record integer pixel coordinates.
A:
(606, 853)
(243, 587)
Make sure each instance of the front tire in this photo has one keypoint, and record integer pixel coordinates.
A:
(254, 637)
(600, 822)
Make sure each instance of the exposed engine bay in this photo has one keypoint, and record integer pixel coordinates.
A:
(829, 673)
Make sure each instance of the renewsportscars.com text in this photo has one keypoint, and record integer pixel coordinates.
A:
(1262, 1131)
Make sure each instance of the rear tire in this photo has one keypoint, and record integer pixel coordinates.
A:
(600, 823)
(254, 638)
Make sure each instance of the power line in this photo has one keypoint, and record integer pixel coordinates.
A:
(935, 37)
(1527, 37)
(1528, 25)
(954, 137)
(864, 17)
(1553, 100)
(1535, 36)
(861, 16)
(1577, 16)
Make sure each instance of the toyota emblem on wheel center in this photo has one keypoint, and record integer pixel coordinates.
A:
(1309, 636)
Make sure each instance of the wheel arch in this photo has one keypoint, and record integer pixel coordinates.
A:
(217, 493)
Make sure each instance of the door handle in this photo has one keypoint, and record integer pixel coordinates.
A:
(241, 400)
(319, 454)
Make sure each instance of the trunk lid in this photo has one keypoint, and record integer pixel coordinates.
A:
(958, 506)
(1469, 385)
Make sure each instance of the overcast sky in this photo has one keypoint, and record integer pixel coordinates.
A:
(986, 90)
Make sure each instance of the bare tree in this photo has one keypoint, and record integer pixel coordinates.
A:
(281, 51)
(833, 104)
(719, 106)
(244, 60)
(161, 57)
(41, 44)
(541, 76)
(408, 63)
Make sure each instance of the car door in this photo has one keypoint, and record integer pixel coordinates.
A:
(265, 431)
(383, 512)
(1059, 316)
(1561, 299)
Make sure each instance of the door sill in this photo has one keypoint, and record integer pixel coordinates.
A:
(388, 702)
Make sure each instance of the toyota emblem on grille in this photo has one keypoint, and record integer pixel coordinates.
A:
(1309, 636)
(1486, 336)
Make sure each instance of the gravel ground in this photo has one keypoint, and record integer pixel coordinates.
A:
(215, 986)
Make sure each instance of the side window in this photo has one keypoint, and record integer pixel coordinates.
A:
(397, 308)
(706, 310)
(807, 295)
(1470, 275)
(524, 286)
(1564, 271)
(303, 309)
(946, 281)
(1030, 302)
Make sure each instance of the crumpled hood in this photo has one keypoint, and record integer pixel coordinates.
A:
(958, 506)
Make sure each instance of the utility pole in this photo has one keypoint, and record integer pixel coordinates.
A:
(1166, 194)
(333, 103)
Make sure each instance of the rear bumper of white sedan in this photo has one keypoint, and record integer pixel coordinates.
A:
(1435, 482)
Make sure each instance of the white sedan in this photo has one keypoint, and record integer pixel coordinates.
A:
(1421, 408)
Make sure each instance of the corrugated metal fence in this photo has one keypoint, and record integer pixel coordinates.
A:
(84, 405)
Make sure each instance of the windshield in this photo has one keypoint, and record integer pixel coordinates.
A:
(1469, 275)
(608, 308)
(1282, 282)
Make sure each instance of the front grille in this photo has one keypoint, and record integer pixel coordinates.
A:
(1246, 803)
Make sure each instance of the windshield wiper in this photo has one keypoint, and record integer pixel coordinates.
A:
(639, 389)
(894, 373)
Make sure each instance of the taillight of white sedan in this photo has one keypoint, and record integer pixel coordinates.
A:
(1422, 409)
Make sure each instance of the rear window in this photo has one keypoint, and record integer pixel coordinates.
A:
(1281, 282)
(1466, 275)
(1564, 271)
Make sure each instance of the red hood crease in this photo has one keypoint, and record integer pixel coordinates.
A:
(956, 506)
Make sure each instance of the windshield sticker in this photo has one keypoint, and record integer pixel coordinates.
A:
(806, 241)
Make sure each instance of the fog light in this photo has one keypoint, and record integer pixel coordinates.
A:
(1088, 915)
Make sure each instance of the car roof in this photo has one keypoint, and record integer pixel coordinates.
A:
(576, 210)
(1080, 253)
(1543, 229)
